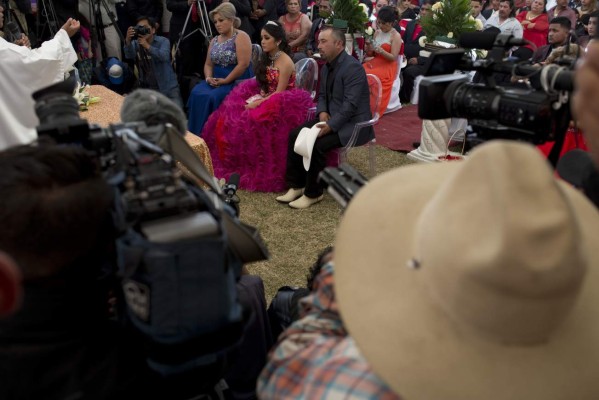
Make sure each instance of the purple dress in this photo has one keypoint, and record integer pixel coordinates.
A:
(253, 142)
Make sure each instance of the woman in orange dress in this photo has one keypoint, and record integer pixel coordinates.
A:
(385, 48)
(535, 23)
(297, 27)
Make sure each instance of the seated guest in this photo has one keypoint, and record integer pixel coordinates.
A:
(152, 55)
(385, 47)
(405, 10)
(341, 104)
(373, 17)
(477, 6)
(229, 59)
(535, 25)
(586, 7)
(561, 9)
(30, 70)
(415, 63)
(399, 314)
(248, 133)
(297, 27)
(559, 34)
(504, 19)
(324, 11)
(526, 6)
(592, 29)
(491, 8)
(262, 12)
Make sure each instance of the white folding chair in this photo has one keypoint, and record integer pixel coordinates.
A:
(376, 92)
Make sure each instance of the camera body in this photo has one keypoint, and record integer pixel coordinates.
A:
(534, 110)
(141, 30)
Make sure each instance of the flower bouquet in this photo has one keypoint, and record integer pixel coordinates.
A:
(83, 98)
(445, 23)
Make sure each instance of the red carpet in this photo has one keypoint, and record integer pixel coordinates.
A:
(398, 130)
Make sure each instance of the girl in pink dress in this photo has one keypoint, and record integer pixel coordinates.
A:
(248, 133)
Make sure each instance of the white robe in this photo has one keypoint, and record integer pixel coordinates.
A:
(22, 72)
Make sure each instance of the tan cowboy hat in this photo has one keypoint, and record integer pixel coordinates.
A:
(304, 144)
(474, 280)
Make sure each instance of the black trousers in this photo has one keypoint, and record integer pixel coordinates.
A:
(409, 75)
(296, 176)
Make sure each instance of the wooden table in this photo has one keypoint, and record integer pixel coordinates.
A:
(108, 111)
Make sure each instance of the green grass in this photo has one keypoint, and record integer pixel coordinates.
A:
(295, 237)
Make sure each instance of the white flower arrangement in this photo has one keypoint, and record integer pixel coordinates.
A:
(365, 9)
(83, 98)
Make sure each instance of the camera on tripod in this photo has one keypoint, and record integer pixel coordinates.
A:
(141, 30)
(535, 109)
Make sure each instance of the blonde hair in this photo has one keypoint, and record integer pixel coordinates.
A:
(227, 11)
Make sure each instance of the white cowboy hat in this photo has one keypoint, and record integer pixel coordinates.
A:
(304, 144)
(474, 279)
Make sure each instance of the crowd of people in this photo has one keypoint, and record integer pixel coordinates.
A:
(470, 279)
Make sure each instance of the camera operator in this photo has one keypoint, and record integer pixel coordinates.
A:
(63, 342)
(153, 59)
(60, 344)
(23, 71)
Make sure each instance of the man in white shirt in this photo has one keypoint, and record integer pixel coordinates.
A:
(23, 71)
(504, 19)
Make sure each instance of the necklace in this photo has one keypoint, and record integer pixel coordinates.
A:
(274, 58)
(530, 15)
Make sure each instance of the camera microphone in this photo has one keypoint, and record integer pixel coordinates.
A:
(488, 40)
(13, 30)
(231, 186)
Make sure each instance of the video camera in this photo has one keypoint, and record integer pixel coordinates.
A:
(180, 248)
(535, 108)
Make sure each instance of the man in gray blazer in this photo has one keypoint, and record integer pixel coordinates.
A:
(343, 101)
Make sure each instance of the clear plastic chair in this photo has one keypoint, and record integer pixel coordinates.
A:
(256, 54)
(376, 92)
(306, 77)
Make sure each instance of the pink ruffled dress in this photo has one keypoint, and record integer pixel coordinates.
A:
(253, 142)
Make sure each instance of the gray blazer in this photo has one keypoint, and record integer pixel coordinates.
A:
(350, 101)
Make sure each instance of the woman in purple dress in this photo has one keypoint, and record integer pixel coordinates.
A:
(248, 133)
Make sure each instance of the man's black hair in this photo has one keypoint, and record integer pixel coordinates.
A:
(151, 21)
(512, 7)
(562, 21)
(55, 207)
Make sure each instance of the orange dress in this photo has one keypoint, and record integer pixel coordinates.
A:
(384, 69)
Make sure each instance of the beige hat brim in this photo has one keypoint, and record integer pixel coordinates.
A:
(414, 346)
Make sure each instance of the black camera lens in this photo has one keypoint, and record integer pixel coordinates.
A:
(142, 30)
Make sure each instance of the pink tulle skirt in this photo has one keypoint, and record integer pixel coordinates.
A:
(253, 142)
